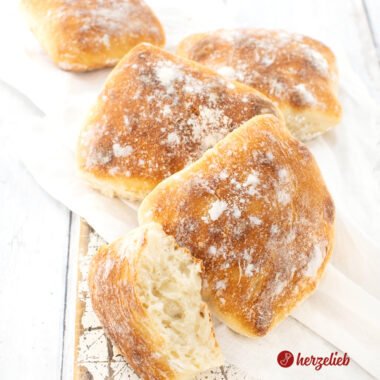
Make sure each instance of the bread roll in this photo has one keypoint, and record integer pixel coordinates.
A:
(81, 35)
(156, 114)
(298, 73)
(256, 211)
(146, 292)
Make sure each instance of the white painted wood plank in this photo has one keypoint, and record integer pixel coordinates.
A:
(78, 241)
(33, 248)
(373, 13)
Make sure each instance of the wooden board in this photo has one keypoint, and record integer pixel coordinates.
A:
(95, 358)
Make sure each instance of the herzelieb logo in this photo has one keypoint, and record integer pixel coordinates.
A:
(285, 359)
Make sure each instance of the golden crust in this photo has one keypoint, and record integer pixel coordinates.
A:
(156, 114)
(120, 312)
(112, 284)
(256, 211)
(127, 188)
(298, 73)
(81, 35)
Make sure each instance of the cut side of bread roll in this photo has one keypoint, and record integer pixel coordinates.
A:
(256, 211)
(296, 72)
(81, 35)
(157, 114)
(146, 292)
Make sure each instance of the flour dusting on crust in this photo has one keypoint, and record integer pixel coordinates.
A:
(255, 209)
(161, 110)
(109, 18)
(81, 33)
(285, 66)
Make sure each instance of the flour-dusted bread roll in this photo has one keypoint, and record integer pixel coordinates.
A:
(81, 35)
(256, 211)
(298, 73)
(156, 114)
(146, 292)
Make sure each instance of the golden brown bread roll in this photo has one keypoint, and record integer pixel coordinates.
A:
(81, 35)
(298, 73)
(156, 114)
(146, 292)
(256, 211)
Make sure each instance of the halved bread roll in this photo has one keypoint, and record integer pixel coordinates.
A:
(256, 211)
(146, 292)
(81, 35)
(296, 72)
(156, 114)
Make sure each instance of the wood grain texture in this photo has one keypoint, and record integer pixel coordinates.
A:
(78, 243)
(33, 253)
(372, 10)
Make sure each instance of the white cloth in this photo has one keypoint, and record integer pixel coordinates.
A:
(343, 313)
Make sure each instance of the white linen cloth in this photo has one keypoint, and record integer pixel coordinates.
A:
(343, 314)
